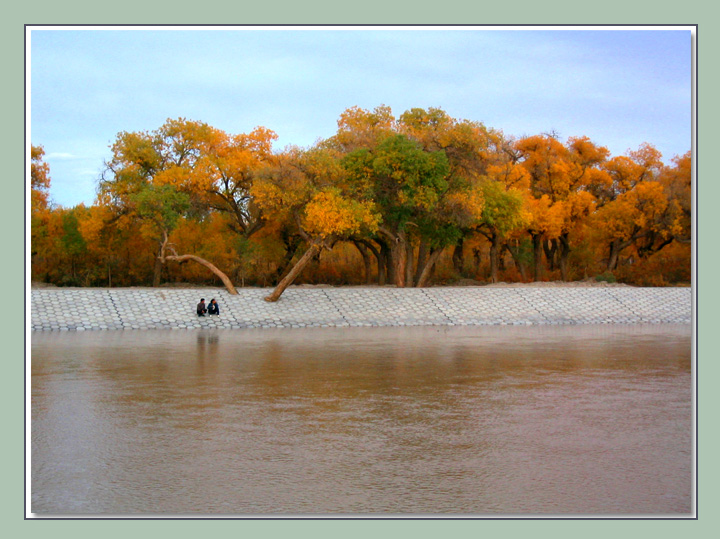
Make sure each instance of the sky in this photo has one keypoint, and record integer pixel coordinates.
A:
(619, 87)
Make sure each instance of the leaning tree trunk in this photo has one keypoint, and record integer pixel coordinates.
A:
(428, 269)
(616, 247)
(291, 249)
(305, 259)
(380, 257)
(224, 278)
(363, 250)
(477, 259)
(421, 260)
(163, 258)
(517, 259)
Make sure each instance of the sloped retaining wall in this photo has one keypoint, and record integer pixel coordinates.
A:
(150, 308)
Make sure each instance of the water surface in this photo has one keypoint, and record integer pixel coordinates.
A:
(579, 420)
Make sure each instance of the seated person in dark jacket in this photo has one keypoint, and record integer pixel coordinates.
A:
(213, 308)
(201, 310)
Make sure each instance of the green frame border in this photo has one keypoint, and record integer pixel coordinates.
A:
(557, 12)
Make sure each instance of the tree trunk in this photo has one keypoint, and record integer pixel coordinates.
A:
(291, 248)
(398, 255)
(421, 260)
(616, 247)
(537, 253)
(409, 274)
(517, 259)
(458, 257)
(564, 242)
(379, 257)
(428, 269)
(494, 257)
(366, 260)
(477, 259)
(224, 278)
(305, 259)
(550, 248)
(157, 270)
(385, 262)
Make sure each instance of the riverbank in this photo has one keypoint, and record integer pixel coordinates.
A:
(95, 309)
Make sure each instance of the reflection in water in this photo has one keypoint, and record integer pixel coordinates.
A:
(568, 420)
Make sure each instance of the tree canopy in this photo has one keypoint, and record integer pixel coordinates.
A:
(401, 200)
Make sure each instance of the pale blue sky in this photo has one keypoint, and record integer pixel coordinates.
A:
(619, 87)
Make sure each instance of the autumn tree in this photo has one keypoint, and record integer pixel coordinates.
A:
(403, 191)
(407, 184)
(468, 147)
(642, 205)
(361, 128)
(213, 170)
(308, 188)
(39, 189)
(563, 174)
(160, 207)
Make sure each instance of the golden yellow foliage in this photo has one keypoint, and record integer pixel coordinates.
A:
(330, 214)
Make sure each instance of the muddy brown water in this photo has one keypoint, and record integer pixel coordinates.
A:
(580, 420)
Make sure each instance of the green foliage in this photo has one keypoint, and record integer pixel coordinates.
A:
(502, 211)
(425, 179)
(162, 205)
(72, 240)
(405, 180)
(606, 277)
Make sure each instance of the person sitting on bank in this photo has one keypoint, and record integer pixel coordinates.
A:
(201, 309)
(213, 308)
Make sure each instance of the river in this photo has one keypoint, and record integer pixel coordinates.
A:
(553, 420)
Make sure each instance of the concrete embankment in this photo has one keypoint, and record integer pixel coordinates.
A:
(57, 309)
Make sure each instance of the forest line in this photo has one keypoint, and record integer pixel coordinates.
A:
(419, 199)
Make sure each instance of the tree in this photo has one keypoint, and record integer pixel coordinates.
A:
(407, 184)
(566, 176)
(503, 212)
(39, 179)
(39, 192)
(468, 147)
(308, 189)
(633, 215)
(161, 206)
(215, 171)
(634, 208)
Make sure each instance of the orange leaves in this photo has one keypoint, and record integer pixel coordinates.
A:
(433, 178)
(361, 128)
(510, 175)
(633, 212)
(39, 170)
(545, 217)
(39, 179)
